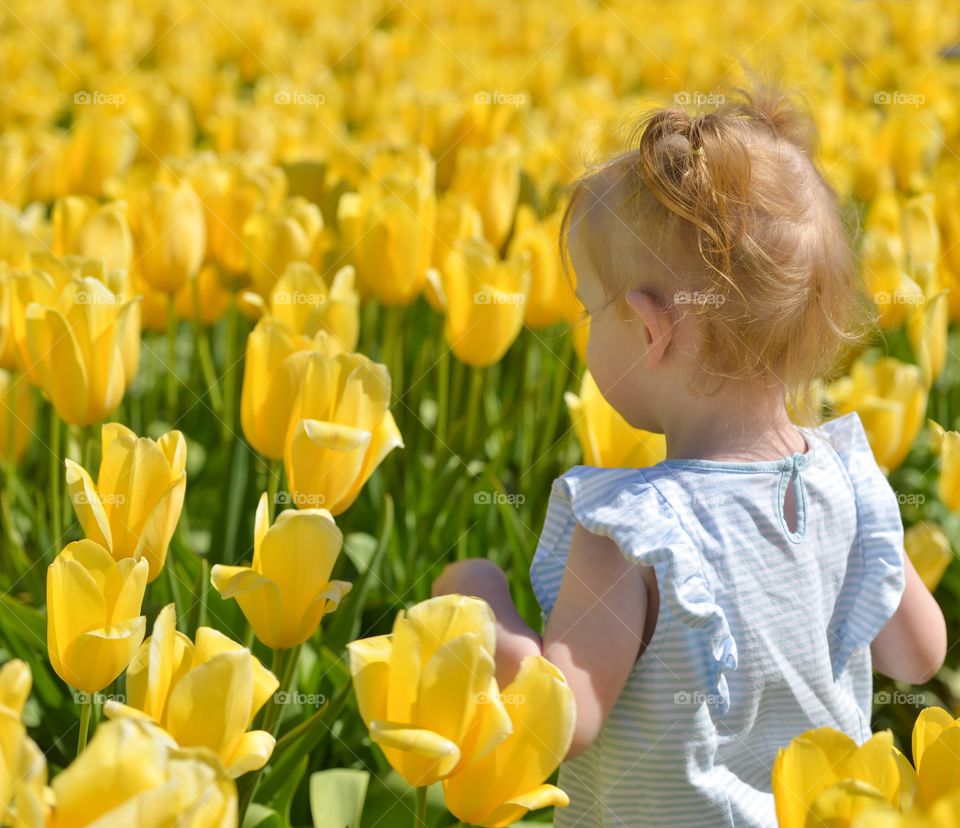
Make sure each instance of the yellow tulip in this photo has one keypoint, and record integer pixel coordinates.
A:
(823, 757)
(80, 347)
(340, 430)
(133, 509)
(490, 177)
(21, 233)
(204, 694)
(581, 338)
(946, 446)
(506, 783)
(457, 219)
(891, 397)
(552, 297)
(303, 302)
(17, 416)
(132, 773)
(80, 225)
(287, 590)
(427, 691)
(202, 298)
(483, 299)
(94, 624)
(278, 238)
(24, 796)
(936, 754)
(929, 550)
(387, 227)
(230, 197)
(275, 360)
(100, 147)
(169, 231)
(606, 439)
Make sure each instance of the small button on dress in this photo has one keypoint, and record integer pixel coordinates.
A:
(763, 632)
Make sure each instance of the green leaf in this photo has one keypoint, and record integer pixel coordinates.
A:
(360, 548)
(336, 797)
(260, 816)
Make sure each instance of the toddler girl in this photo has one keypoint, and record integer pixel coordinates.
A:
(708, 609)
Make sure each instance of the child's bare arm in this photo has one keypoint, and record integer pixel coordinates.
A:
(913, 644)
(595, 629)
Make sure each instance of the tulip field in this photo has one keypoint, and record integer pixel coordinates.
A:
(285, 328)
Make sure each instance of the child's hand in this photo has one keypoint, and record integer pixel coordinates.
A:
(473, 576)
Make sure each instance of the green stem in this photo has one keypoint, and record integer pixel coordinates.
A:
(55, 482)
(168, 567)
(205, 354)
(229, 374)
(420, 812)
(86, 707)
(443, 397)
(284, 666)
(273, 483)
(171, 360)
(473, 405)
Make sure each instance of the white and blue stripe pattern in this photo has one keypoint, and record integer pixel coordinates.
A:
(762, 633)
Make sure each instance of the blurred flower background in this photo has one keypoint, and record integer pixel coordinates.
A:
(284, 329)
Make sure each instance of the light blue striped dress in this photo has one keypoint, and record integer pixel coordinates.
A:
(761, 635)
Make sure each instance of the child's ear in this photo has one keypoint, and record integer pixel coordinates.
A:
(657, 321)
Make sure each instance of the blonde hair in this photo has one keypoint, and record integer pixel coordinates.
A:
(730, 206)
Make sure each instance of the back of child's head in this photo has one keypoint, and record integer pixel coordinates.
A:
(726, 216)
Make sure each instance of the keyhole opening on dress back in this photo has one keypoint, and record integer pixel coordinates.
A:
(790, 505)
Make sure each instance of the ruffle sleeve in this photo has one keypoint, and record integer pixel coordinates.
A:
(875, 578)
(623, 505)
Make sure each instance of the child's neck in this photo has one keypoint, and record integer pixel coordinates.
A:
(754, 430)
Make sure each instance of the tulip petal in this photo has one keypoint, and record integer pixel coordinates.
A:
(258, 597)
(98, 656)
(370, 668)
(425, 756)
(56, 358)
(211, 642)
(86, 504)
(252, 753)
(928, 727)
(210, 705)
(543, 796)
